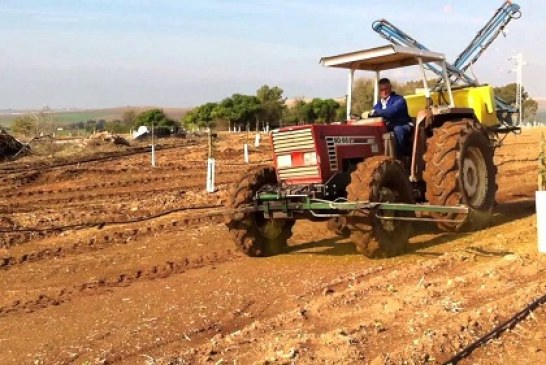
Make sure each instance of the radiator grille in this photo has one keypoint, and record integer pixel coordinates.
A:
(300, 140)
(289, 141)
(298, 172)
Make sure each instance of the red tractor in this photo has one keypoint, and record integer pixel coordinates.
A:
(349, 174)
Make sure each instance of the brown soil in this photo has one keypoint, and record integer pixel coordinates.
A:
(104, 259)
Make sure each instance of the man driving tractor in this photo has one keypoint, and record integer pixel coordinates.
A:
(394, 109)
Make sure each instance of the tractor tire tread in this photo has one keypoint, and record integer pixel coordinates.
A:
(364, 186)
(442, 174)
(241, 230)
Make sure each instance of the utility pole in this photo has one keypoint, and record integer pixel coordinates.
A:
(519, 87)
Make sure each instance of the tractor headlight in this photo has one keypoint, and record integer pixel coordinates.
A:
(284, 161)
(309, 158)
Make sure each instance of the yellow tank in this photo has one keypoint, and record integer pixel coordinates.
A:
(480, 99)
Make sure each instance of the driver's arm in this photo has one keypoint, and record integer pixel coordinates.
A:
(395, 109)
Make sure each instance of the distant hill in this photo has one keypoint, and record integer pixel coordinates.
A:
(76, 115)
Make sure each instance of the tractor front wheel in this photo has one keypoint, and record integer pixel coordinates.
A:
(380, 179)
(253, 233)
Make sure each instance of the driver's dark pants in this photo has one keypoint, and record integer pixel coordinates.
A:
(402, 136)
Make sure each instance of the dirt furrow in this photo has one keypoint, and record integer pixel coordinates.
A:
(102, 285)
(108, 239)
(26, 235)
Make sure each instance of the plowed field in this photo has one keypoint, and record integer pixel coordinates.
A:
(106, 260)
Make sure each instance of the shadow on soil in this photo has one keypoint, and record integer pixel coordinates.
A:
(330, 247)
(504, 212)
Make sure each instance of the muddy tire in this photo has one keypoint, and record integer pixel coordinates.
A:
(380, 179)
(252, 233)
(459, 169)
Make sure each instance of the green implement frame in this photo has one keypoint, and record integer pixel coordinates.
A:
(270, 204)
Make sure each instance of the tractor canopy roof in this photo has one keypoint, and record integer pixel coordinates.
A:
(381, 58)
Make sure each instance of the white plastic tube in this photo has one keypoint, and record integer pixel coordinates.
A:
(541, 220)
(210, 175)
(257, 140)
(245, 148)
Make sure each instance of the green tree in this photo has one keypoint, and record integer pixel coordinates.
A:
(206, 114)
(321, 110)
(46, 121)
(90, 125)
(362, 99)
(157, 116)
(25, 125)
(305, 112)
(530, 108)
(341, 112)
(325, 109)
(128, 118)
(101, 125)
(225, 111)
(508, 93)
(117, 126)
(190, 120)
(271, 104)
(245, 109)
(299, 113)
(290, 114)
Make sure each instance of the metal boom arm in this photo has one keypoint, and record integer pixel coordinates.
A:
(483, 39)
(487, 35)
(397, 36)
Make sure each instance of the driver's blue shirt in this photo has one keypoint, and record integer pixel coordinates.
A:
(396, 111)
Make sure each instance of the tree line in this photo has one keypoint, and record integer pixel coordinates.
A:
(267, 108)
(32, 125)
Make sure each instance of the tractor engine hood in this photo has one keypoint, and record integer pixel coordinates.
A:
(314, 153)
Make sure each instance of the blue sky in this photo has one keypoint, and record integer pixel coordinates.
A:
(105, 53)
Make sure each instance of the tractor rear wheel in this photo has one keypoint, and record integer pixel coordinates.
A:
(380, 179)
(253, 233)
(459, 169)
